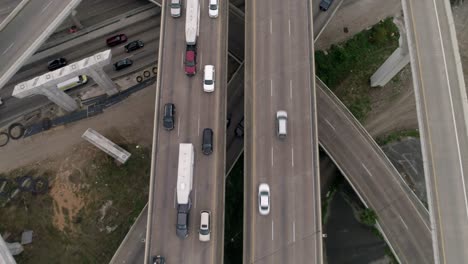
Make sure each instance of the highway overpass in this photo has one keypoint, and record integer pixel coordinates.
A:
(441, 102)
(279, 75)
(195, 110)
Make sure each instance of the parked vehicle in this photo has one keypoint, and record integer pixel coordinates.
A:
(204, 232)
(207, 141)
(169, 116)
(56, 64)
(209, 79)
(281, 124)
(184, 187)
(213, 9)
(325, 4)
(176, 8)
(190, 60)
(122, 64)
(116, 40)
(264, 199)
(73, 82)
(192, 21)
(240, 129)
(134, 45)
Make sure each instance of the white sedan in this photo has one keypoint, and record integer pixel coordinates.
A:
(264, 199)
(213, 8)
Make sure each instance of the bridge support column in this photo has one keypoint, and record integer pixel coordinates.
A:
(59, 97)
(399, 58)
(75, 20)
(102, 79)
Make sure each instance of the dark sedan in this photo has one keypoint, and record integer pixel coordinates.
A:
(56, 64)
(134, 45)
(122, 64)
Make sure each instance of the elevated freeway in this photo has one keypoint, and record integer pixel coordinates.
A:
(279, 75)
(195, 110)
(441, 101)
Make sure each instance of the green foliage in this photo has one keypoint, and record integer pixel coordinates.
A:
(368, 217)
(397, 136)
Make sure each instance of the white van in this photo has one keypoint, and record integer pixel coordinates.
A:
(73, 82)
(204, 233)
(282, 118)
(176, 8)
(209, 79)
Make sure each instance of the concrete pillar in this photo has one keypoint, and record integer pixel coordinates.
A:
(399, 58)
(59, 97)
(75, 20)
(102, 79)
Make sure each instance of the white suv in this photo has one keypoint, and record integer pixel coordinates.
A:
(204, 233)
(176, 8)
(264, 199)
(282, 118)
(213, 8)
(209, 79)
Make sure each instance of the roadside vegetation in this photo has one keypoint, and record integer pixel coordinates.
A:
(234, 214)
(346, 68)
(397, 136)
(87, 211)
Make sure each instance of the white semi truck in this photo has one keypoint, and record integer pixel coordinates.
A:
(184, 187)
(192, 20)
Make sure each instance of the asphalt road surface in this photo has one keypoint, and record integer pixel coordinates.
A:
(441, 101)
(195, 110)
(279, 75)
(27, 31)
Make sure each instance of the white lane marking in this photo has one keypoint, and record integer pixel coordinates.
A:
(195, 199)
(403, 221)
(328, 122)
(271, 26)
(178, 126)
(272, 156)
(292, 157)
(289, 26)
(175, 193)
(43, 9)
(9, 47)
(294, 231)
(460, 162)
(271, 87)
(272, 232)
(290, 89)
(368, 172)
(198, 125)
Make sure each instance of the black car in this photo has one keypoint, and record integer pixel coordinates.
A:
(134, 45)
(159, 260)
(228, 120)
(169, 114)
(207, 141)
(56, 64)
(122, 64)
(325, 4)
(240, 129)
(183, 220)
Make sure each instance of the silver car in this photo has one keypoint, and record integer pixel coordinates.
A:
(264, 199)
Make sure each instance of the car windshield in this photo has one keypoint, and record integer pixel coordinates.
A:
(190, 63)
(208, 82)
(213, 7)
(175, 5)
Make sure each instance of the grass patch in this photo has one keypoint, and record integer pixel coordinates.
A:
(234, 214)
(86, 240)
(368, 217)
(346, 68)
(397, 136)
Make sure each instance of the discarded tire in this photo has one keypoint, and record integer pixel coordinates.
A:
(139, 79)
(155, 70)
(16, 131)
(4, 138)
(46, 123)
(25, 183)
(41, 185)
(146, 74)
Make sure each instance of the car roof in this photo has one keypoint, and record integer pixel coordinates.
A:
(190, 54)
(263, 200)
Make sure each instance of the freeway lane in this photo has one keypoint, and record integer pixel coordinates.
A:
(402, 217)
(27, 31)
(279, 74)
(195, 110)
(441, 102)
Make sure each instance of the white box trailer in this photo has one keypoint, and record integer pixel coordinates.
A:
(192, 20)
(185, 173)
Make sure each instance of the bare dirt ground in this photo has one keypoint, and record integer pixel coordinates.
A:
(132, 118)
